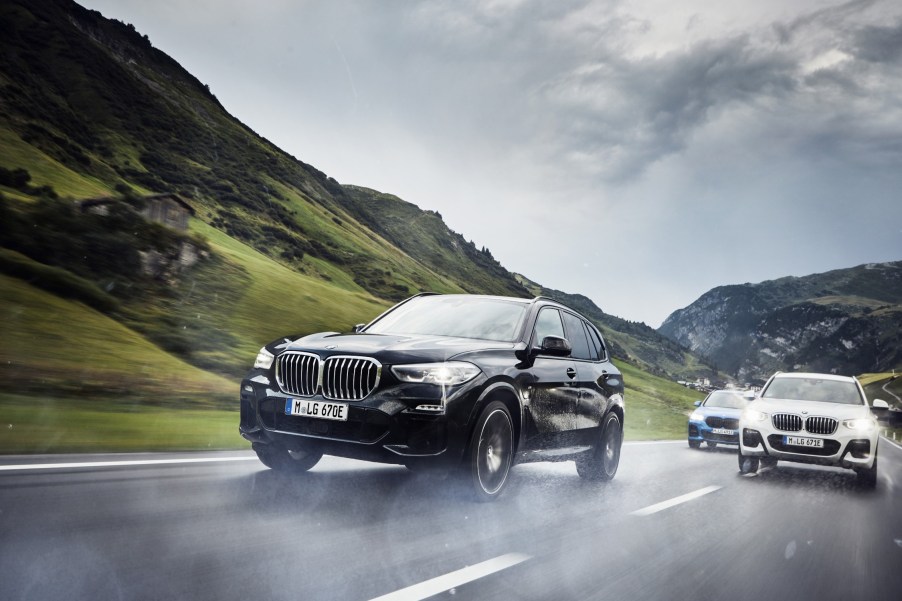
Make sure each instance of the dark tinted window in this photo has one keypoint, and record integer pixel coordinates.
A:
(595, 342)
(576, 334)
(547, 324)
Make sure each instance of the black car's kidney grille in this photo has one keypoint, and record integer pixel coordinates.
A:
(821, 425)
(349, 378)
(338, 378)
(298, 373)
(787, 422)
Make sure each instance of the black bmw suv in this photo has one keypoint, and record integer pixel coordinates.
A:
(465, 382)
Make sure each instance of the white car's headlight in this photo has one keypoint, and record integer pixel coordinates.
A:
(859, 425)
(264, 359)
(753, 415)
(450, 373)
(697, 416)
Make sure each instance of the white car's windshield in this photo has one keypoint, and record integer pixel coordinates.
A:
(814, 389)
(459, 316)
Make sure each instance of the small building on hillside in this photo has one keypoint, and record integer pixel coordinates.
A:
(169, 209)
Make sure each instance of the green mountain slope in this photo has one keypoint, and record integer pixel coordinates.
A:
(102, 309)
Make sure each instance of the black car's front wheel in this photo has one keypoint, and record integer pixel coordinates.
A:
(491, 451)
(602, 461)
(283, 460)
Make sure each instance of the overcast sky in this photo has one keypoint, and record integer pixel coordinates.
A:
(639, 152)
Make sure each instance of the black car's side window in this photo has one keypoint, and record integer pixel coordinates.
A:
(547, 324)
(576, 334)
(596, 341)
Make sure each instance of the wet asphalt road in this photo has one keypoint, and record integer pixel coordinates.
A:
(676, 523)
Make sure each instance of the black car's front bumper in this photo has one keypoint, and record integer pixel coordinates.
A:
(385, 427)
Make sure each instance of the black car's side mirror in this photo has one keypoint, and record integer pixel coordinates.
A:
(555, 346)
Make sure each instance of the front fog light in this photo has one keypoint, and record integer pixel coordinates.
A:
(264, 359)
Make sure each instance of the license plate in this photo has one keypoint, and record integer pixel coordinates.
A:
(320, 409)
(798, 441)
(723, 431)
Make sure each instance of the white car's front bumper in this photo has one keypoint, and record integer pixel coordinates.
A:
(843, 448)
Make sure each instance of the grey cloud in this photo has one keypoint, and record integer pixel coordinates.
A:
(878, 44)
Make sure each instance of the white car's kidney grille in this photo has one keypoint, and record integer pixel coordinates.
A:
(821, 425)
(786, 422)
(338, 378)
(349, 378)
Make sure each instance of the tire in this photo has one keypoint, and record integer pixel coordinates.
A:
(695, 444)
(491, 452)
(711, 445)
(601, 462)
(285, 461)
(868, 477)
(747, 465)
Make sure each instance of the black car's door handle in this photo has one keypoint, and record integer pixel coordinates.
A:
(571, 373)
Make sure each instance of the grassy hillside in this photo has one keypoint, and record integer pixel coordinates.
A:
(106, 330)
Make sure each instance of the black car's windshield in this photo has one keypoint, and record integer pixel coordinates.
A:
(814, 389)
(727, 400)
(459, 316)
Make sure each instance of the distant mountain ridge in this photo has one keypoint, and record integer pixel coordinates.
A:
(845, 320)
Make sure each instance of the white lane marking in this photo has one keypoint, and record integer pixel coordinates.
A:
(127, 463)
(675, 501)
(447, 582)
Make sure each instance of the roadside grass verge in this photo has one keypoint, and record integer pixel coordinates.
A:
(55, 424)
(656, 408)
(59, 347)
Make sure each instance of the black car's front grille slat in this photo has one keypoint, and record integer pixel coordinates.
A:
(349, 378)
(342, 379)
(821, 425)
(296, 373)
(787, 422)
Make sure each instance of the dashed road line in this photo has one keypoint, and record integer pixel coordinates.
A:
(674, 501)
(440, 584)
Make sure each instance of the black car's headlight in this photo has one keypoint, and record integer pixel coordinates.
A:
(264, 359)
(448, 373)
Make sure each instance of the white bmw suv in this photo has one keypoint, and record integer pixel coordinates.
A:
(811, 418)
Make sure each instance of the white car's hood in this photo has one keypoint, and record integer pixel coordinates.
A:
(836, 410)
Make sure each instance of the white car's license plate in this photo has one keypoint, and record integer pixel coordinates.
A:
(798, 441)
(724, 431)
(320, 409)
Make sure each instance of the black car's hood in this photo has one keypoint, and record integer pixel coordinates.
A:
(393, 348)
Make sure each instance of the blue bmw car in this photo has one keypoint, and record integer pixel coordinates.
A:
(716, 419)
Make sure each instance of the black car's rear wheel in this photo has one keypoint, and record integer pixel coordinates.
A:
(491, 451)
(601, 462)
(283, 460)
